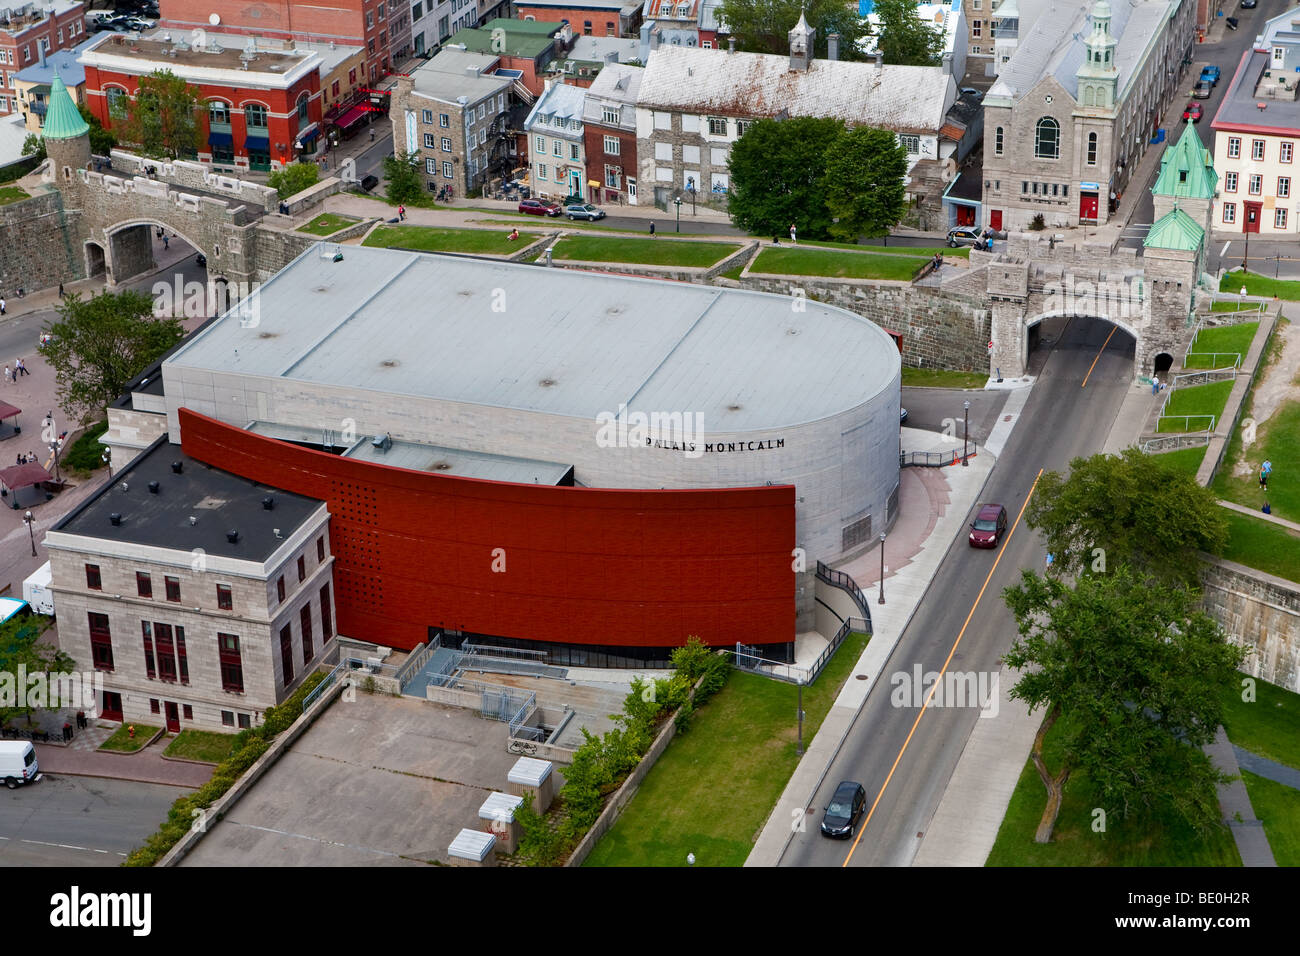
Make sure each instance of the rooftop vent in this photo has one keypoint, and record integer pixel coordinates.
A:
(232, 537)
(268, 503)
(382, 442)
(153, 487)
(177, 467)
(115, 518)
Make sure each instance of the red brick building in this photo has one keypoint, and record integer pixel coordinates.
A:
(256, 109)
(383, 27)
(54, 26)
(601, 18)
(609, 131)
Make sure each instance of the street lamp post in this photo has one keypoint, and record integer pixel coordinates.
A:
(678, 203)
(965, 438)
(881, 599)
(54, 441)
(30, 533)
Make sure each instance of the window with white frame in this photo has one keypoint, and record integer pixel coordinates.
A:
(1229, 182)
(444, 121)
(1284, 151)
(1229, 212)
(446, 144)
(1284, 187)
(431, 167)
(613, 176)
(574, 150)
(1256, 184)
(482, 137)
(1234, 147)
(541, 144)
(1279, 56)
(427, 116)
(997, 141)
(742, 126)
(541, 171)
(557, 148)
(911, 144)
(717, 126)
(1257, 149)
(611, 144)
(429, 140)
(447, 171)
(609, 115)
(1279, 218)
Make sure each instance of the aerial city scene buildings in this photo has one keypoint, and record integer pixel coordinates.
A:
(558, 433)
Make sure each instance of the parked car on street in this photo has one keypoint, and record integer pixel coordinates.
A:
(1249, 4)
(369, 182)
(988, 527)
(964, 236)
(1192, 112)
(1232, 23)
(846, 806)
(1203, 89)
(1210, 73)
(539, 207)
(586, 211)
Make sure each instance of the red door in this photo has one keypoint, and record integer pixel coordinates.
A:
(173, 717)
(112, 709)
(995, 220)
(1088, 206)
(1253, 211)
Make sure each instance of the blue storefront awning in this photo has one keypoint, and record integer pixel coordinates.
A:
(309, 134)
(220, 139)
(259, 144)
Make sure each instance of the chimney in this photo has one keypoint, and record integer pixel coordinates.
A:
(880, 62)
(654, 39)
(40, 49)
(832, 46)
(731, 44)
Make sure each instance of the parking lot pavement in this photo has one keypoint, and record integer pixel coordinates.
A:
(378, 781)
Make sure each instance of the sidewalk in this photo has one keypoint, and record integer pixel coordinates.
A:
(147, 766)
(1234, 801)
(934, 504)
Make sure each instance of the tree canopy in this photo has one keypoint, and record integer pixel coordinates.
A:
(293, 179)
(763, 26)
(1134, 672)
(21, 646)
(777, 176)
(163, 119)
(402, 178)
(904, 38)
(99, 344)
(863, 183)
(102, 141)
(1127, 508)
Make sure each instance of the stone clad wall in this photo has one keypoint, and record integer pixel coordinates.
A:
(1259, 612)
(40, 246)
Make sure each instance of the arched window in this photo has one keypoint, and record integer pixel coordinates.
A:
(303, 102)
(219, 112)
(1092, 149)
(1047, 139)
(997, 141)
(255, 116)
(1089, 96)
(117, 101)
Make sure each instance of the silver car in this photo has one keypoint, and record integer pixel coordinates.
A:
(585, 211)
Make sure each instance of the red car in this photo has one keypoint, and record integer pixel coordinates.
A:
(539, 207)
(988, 527)
(1193, 112)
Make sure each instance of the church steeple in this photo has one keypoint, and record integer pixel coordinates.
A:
(1098, 75)
(801, 44)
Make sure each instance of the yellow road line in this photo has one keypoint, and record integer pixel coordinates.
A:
(1098, 358)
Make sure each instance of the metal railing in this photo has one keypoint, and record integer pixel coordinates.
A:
(1204, 376)
(516, 728)
(416, 661)
(747, 658)
(838, 579)
(492, 650)
(1213, 362)
(1187, 421)
(346, 665)
(1155, 446)
(935, 459)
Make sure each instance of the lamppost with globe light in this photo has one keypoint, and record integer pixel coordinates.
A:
(881, 599)
(965, 438)
(27, 518)
(678, 203)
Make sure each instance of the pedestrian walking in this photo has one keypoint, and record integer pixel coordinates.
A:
(1267, 467)
(372, 134)
(9, 377)
(401, 212)
(652, 227)
(2, 305)
(20, 368)
(1155, 384)
(792, 238)
(1263, 479)
(60, 290)
(166, 239)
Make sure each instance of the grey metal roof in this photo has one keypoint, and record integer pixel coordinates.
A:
(446, 77)
(904, 99)
(65, 61)
(617, 83)
(220, 502)
(560, 101)
(567, 343)
(1240, 106)
(440, 460)
(500, 806)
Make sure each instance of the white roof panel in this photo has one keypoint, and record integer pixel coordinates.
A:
(529, 771)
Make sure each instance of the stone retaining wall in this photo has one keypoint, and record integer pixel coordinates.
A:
(1260, 612)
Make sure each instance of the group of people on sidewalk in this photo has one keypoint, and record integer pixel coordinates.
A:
(19, 369)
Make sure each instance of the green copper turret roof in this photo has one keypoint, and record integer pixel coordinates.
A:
(1175, 230)
(1187, 169)
(62, 119)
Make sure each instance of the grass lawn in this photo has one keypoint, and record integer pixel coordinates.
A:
(1278, 440)
(1185, 461)
(201, 745)
(734, 273)
(961, 252)
(1263, 545)
(1259, 285)
(1278, 807)
(430, 239)
(1165, 842)
(835, 264)
(658, 252)
(86, 452)
(10, 194)
(1197, 400)
(121, 741)
(1246, 307)
(1226, 340)
(715, 786)
(327, 223)
(942, 378)
(1269, 725)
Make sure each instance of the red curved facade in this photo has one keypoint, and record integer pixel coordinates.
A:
(632, 568)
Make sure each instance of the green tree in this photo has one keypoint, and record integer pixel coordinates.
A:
(34, 145)
(293, 179)
(864, 183)
(163, 119)
(98, 345)
(763, 26)
(778, 171)
(102, 142)
(402, 179)
(905, 39)
(21, 646)
(1127, 509)
(1132, 674)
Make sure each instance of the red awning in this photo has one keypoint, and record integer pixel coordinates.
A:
(351, 117)
(8, 411)
(23, 476)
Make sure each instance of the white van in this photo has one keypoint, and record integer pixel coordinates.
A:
(38, 592)
(17, 762)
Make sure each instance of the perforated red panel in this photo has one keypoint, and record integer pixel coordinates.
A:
(581, 565)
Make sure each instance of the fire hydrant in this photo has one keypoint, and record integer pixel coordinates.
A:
(130, 731)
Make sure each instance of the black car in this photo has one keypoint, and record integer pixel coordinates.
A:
(846, 806)
(1249, 4)
(369, 182)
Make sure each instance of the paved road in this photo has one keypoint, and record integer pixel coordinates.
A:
(940, 410)
(79, 821)
(1062, 419)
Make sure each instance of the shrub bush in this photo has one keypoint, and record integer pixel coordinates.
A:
(1038, 224)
